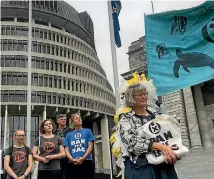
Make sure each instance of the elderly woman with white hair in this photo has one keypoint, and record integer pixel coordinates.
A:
(137, 146)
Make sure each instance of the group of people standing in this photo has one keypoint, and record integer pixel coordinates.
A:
(61, 153)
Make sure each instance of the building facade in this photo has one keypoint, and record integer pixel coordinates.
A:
(66, 74)
(194, 105)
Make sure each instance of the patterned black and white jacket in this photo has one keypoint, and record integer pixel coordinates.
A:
(134, 143)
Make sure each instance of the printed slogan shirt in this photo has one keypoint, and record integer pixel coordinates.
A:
(77, 141)
(134, 142)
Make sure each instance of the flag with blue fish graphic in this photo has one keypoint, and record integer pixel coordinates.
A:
(180, 47)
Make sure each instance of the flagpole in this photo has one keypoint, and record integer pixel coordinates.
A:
(29, 76)
(153, 11)
(114, 56)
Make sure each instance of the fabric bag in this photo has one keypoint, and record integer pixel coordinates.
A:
(163, 129)
(34, 172)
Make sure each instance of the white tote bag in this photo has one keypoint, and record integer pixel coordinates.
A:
(163, 129)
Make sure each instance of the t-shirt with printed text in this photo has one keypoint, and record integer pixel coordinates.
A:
(77, 141)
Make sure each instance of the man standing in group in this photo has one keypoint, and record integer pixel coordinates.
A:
(79, 146)
(62, 131)
(18, 159)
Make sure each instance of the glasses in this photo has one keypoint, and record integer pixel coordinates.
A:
(141, 94)
(63, 119)
(21, 135)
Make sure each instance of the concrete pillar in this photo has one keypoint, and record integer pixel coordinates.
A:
(106, 145)
(6, 129)
(194, 133)
(96, 158)
(44, 114)
(202, 117)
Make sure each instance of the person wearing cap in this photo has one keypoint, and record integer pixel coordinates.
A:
(62, 131)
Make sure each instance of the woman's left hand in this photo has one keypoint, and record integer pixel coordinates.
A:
(48, 157)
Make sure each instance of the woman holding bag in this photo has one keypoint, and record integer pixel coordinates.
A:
(136, 145)
(48, 150)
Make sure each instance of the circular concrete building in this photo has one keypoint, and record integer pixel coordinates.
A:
(66, 74)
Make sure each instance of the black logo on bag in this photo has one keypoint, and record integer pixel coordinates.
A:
(154, 128)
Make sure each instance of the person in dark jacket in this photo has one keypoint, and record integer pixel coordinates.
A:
(62, 131)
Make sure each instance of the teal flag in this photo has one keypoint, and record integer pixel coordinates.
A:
(180, 47)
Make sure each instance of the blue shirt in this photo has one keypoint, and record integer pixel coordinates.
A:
(77, 141)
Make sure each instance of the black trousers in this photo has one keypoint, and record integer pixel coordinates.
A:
(65, 168)
(83, 171)
(49, 174)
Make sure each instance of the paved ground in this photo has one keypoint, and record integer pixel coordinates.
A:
(199, 164)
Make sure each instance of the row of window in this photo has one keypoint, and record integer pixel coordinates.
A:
(55, 98)
(54, 65)
(52, 81)
(19, 122)
(51, 49)
(47, 35)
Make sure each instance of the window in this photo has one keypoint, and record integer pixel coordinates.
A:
(53, 48)
(47, 65)
(8, 30)
(48, 50)
(49, 98)
(45, 35)
(49, 35)
(25, 46)
(2, 61)
(44, 48)
(52, 65)
(46, 81)
(60, 83)
(37, 63)
(3, 31)
(10, 46)
(36, 33)
(54, 37)
(41, 34)
(56, 66)
(13, 61)
(57, 38)
(64, 83)
(22, 64)
(39, 48)
(15, 45)
(69, 85)
(34, 47)
(65, 66)
(57, 51)
(43, 98)
(55, 82)
(54, 98)
(60, 67)
(40, 80)
(35, 79)
(69, 69)
(4, 79)
(42, 64)
(5, 45)
(50, 81)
